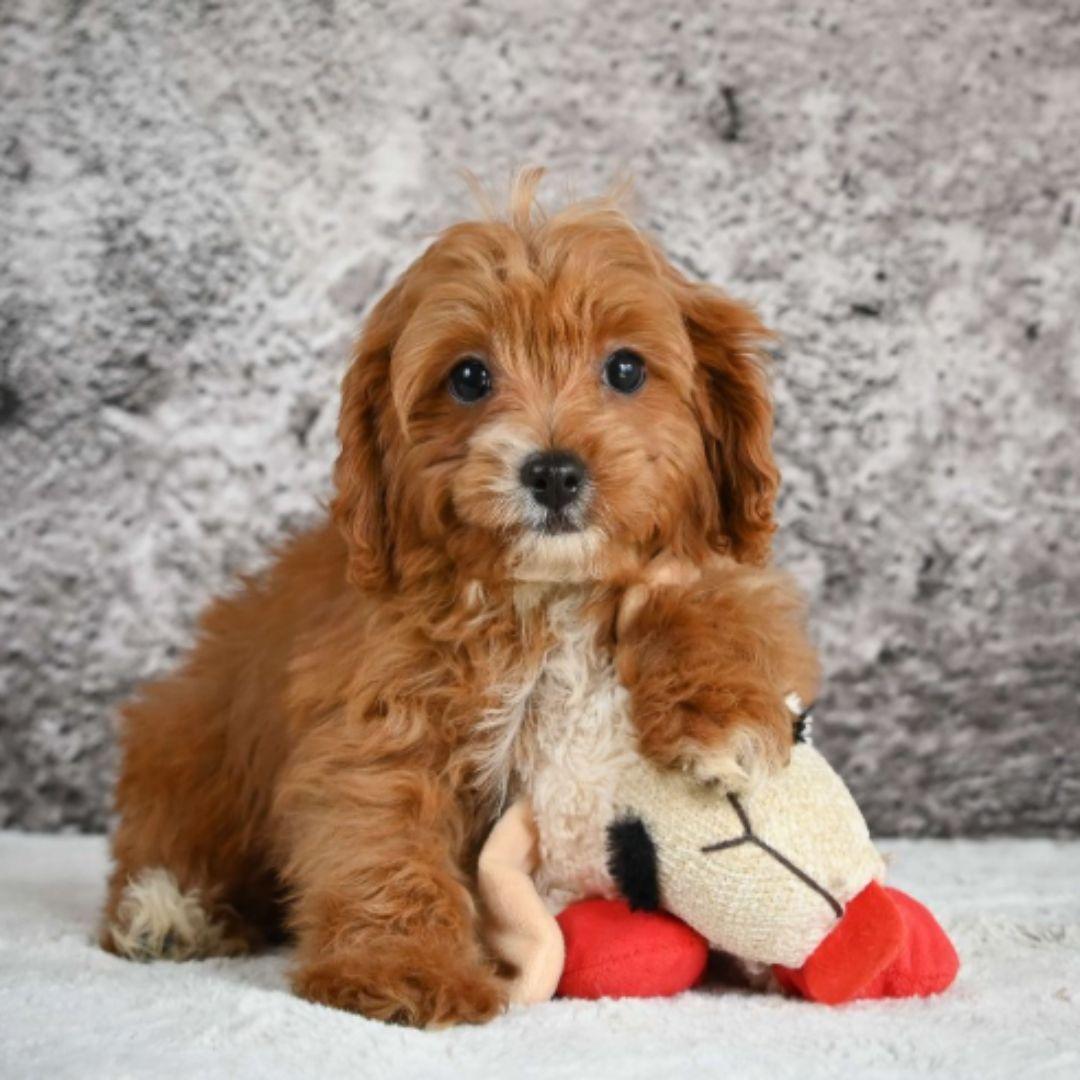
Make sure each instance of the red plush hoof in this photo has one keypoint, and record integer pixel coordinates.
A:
(614, 952)
(855, 953)
(886, 945)
(927, 964)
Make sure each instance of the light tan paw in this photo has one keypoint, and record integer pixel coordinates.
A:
(739, 762)
(155, 920)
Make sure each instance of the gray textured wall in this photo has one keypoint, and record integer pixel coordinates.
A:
(197, 201)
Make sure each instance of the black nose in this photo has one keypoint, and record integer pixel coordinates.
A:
(555, 478)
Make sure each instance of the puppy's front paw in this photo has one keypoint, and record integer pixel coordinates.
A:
(410, 989)
(739, 760)
(707, 666)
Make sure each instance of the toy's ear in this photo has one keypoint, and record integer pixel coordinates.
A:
(632, 863)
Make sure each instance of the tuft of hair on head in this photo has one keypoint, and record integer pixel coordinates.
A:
(525, 211)
(521, 208)
(485, 201)
(622, 193)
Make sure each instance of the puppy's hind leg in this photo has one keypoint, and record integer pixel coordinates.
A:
(190, 876)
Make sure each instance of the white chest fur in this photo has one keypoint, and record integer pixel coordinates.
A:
(575, 738)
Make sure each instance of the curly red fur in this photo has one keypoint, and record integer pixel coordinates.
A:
(333, 751)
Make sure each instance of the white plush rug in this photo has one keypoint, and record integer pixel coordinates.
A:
(1013, 907)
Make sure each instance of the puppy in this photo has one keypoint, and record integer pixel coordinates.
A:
(540, 416)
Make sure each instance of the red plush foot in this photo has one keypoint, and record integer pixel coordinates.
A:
(612, 951)
(886, 945)
(926, 965)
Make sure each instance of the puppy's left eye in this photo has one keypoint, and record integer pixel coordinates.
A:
(624, 371)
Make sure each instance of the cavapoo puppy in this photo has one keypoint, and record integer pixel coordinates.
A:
(541, 419)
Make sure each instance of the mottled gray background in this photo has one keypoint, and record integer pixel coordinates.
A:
(198, 199)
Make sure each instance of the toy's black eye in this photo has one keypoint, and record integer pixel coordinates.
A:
(624, 371)
(470, 380)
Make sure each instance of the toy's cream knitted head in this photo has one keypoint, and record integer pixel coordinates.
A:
(763, 876)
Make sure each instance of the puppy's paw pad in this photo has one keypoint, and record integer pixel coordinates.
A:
(740, 763)
(720, 769)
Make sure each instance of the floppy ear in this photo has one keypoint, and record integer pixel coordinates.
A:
(359, 509)
(736, 417)
(633, 863)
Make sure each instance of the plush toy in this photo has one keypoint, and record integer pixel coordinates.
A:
(784, 878)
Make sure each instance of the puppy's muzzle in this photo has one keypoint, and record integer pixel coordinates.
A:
(555, 479)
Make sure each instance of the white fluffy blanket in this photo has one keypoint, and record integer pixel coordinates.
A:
(1013, 907)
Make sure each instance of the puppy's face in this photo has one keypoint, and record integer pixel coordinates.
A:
(547, 398)
(552, 402)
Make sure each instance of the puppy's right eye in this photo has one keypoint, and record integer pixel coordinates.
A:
(470, 380)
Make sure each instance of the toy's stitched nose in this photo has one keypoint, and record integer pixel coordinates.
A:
(554, 478)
